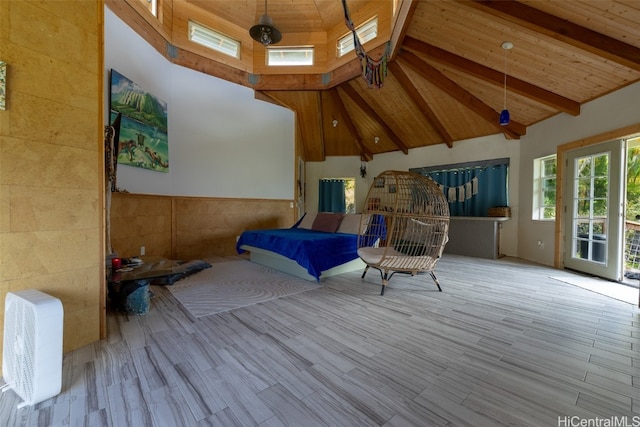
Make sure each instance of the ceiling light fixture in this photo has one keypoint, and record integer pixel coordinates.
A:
(334, 123)
(264, 31)
(504, 115)
(376, 139)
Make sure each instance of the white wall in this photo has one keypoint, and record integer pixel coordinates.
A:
(614, 111)
(222, 142)
(490, 147)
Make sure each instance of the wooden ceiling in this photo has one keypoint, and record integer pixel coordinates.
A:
(445, 80)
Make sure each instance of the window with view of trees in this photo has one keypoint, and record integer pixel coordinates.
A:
(633, 181)
(544, 204)
(337, 195)
(544, 191)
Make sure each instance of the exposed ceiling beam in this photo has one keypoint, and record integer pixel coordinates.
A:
(268, 97)
(403, 19)
(285, 82)
(307, 106)
(366, 108)
(365, 153)
(427, 112)
(512, 130)
(319, 120)
(310, 120)
(353, 68)
(490, 75)
(561, 29)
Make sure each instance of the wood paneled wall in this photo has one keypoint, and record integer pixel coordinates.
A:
(140, 220)
(178, 227)
(51, 159)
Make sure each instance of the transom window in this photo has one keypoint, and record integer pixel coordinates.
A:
(214, 40)
(295, 56)
(366, 32)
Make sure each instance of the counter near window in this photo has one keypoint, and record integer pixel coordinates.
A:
(475, 236)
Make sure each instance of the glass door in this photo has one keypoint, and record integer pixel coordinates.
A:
(594, 209)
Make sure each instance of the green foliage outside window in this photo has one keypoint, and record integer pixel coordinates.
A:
(633, 183)
(548, 188)
(350, 194)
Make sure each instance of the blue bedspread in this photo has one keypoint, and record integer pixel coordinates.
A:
(316, 251)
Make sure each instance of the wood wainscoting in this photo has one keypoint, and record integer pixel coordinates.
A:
(179, 227)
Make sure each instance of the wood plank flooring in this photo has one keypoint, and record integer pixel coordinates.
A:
(503, 344)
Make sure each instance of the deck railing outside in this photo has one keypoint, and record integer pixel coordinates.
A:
(632, 250)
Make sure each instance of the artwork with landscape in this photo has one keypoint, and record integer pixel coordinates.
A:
(143, 138)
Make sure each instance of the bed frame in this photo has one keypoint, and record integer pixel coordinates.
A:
(289, 266)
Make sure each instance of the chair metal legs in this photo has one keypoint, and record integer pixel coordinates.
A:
(385, 276)
(433, 276)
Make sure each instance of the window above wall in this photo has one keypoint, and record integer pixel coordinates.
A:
(290, 56)
(214, 40)
(366, 32)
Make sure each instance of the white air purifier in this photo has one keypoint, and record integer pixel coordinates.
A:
(32, 345)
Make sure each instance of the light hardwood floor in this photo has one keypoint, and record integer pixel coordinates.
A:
(503, 344)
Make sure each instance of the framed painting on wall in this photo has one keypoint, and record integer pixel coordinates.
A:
(143, 140)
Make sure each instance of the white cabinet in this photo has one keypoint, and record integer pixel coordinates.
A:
(475, 236)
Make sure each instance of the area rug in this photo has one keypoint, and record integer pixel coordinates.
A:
(605, 287)
(234, 284)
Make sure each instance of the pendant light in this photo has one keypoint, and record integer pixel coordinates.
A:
(504, 115)
(264, 31)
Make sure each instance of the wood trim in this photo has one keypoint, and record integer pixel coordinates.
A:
(102, 181)
(560, 160)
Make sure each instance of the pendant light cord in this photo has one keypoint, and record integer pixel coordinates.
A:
(505, 79)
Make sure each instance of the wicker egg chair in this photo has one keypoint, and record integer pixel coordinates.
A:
(412, 216)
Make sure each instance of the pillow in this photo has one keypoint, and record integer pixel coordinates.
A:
(351, 224)
(328, 222)
(307, 221)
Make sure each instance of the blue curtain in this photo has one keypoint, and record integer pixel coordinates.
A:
(472, 191)
(331, 196)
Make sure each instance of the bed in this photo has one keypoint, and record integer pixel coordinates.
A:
(318, 246)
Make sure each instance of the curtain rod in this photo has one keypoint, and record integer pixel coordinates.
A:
(458, 166)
